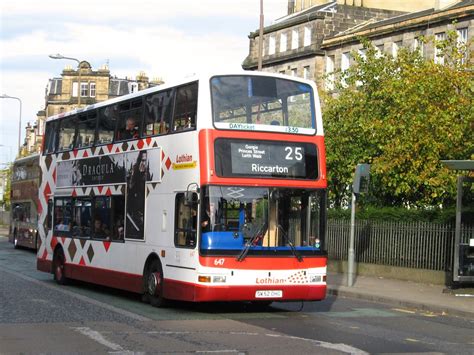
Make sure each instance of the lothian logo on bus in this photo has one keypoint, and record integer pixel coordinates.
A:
(184, 158)
(269, 281)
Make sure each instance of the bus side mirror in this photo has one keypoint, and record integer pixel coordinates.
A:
(191, 197)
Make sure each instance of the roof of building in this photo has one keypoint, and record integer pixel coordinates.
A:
(55, 87)
(404, 20)
(119, 87)
(312, 13)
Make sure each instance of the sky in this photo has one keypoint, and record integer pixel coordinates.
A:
(166, 39)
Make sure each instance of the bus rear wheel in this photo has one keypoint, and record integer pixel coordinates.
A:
(59, 262)
(153, 280)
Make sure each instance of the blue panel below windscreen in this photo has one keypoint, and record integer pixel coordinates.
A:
(235, 241)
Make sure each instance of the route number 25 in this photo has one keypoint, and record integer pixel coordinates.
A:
(294, 153)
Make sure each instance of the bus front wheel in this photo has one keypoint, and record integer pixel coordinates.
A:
(154, 285)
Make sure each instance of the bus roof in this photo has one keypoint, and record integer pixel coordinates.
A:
(182, 81)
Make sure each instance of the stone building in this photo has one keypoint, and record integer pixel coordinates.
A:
(292, 45)
(316, 37)
(409, 30)
(80, 88)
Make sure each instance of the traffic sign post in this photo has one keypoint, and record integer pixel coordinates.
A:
(360, 185)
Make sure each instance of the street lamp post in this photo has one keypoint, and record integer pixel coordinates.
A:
(260, 37)
(60, 56)
(4, 96)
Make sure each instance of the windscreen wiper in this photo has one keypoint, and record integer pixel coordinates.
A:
(290, 243)
(252, 241)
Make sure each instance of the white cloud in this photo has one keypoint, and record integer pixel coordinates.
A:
(145, 10)
(168, 39)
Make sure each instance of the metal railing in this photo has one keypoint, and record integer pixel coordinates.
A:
(419, 245)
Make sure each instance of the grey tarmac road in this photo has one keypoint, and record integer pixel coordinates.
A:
(38, 316)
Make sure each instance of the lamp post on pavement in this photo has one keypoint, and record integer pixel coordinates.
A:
(60, 56)
(4, 96)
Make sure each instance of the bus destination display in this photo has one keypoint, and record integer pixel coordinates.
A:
(266, 159)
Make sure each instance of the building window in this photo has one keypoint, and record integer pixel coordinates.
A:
(75, 89)
(379, 49)
(462, 42)
(294, 72)
(271, 45)
(84, 89)
(418, 45)
(462, 35)
(283, 42)
(395, 48)
(345, 64)
(92, 89)
(307, 36)
(438, 52)
(345, 61)
(306, 72)
(282, 72)
(294, 39)
(330, 73)
(133, 87)
(363, 56)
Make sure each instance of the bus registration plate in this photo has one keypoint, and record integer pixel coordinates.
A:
(269, 294)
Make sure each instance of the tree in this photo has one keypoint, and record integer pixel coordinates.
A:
(402, 115)
(6, 175)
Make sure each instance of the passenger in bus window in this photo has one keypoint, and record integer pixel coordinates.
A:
(130, 131)
(206, 220)
(100, 229)
(62, 226)
(119, 229)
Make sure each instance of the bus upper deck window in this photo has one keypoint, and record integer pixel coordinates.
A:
(51, 137)
(185, 107)
(106, 125)
(158, 109)
(67, 133)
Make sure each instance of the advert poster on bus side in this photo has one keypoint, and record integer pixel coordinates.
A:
(110, 169)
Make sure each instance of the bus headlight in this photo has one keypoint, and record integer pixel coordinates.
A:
(315, 278)
(218, 279)
(214, 279)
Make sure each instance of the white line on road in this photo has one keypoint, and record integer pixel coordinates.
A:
(99, 338)
(339, 347)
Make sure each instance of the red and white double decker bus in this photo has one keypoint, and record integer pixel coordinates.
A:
(25, 182)
(210, 189)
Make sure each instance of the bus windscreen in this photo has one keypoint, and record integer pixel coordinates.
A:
(262, 103)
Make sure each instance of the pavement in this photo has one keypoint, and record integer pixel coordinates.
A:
(407, 294)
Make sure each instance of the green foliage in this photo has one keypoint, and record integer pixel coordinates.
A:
(403, 115)
(6, 174)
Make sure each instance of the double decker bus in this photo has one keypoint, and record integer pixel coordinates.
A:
(210, 189)
(25, 182)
